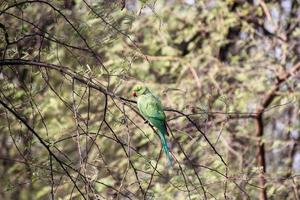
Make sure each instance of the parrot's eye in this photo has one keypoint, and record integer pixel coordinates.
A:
(137, 89)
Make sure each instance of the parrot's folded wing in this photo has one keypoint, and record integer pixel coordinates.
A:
(151, 107)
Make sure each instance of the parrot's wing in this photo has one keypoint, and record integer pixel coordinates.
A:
(151, 107)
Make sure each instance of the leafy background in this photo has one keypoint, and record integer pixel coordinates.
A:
(67, 70)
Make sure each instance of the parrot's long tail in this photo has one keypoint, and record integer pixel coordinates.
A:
(166, 148)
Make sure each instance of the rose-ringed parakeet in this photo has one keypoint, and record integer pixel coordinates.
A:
(151, 108)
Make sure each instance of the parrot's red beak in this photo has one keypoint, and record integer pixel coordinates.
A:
(134, 94)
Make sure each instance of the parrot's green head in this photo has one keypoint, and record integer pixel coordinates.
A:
(139, 90)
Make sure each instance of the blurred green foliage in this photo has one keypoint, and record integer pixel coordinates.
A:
(210, 59)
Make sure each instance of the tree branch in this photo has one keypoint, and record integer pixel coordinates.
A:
(259, 125)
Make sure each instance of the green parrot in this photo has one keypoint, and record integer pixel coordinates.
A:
(151, 108)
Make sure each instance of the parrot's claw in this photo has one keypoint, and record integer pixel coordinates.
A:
(146, 122)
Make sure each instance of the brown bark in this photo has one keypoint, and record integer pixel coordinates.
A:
(259, 126)
(260, 156)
